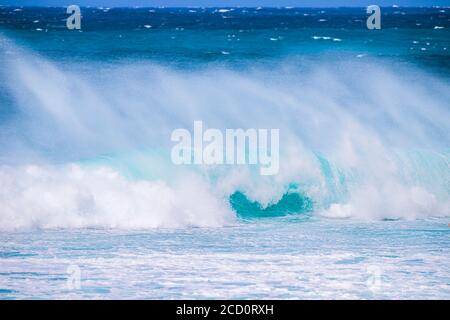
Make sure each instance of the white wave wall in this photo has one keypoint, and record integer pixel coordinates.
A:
(75, 197)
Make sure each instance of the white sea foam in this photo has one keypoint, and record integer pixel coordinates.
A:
(74, 197)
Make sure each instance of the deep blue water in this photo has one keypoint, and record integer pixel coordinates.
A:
(184, 36)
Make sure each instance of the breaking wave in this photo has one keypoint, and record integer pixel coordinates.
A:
(88, 144)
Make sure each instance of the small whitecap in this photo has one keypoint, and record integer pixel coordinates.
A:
(147, 26)
(223, 10)
(326, 38)
(360, 55)
(273, 39)
(36, 21)
(225, 52)
(322, 20)
(438, 27)
(17, 10)
(316, 37)
(423, 49)
(38, 29)
(415, 42)
(337, 39)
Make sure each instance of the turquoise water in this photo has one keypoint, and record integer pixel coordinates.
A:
(359, 208)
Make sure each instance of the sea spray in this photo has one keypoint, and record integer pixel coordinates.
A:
(358, 144)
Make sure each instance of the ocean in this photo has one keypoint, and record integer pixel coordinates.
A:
(92, 205)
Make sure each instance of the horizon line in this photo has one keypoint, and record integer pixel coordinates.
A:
(223, 7)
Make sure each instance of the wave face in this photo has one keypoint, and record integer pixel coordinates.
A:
(290, 203)
(88, 144)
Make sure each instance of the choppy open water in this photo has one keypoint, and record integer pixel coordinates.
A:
(359, 209)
